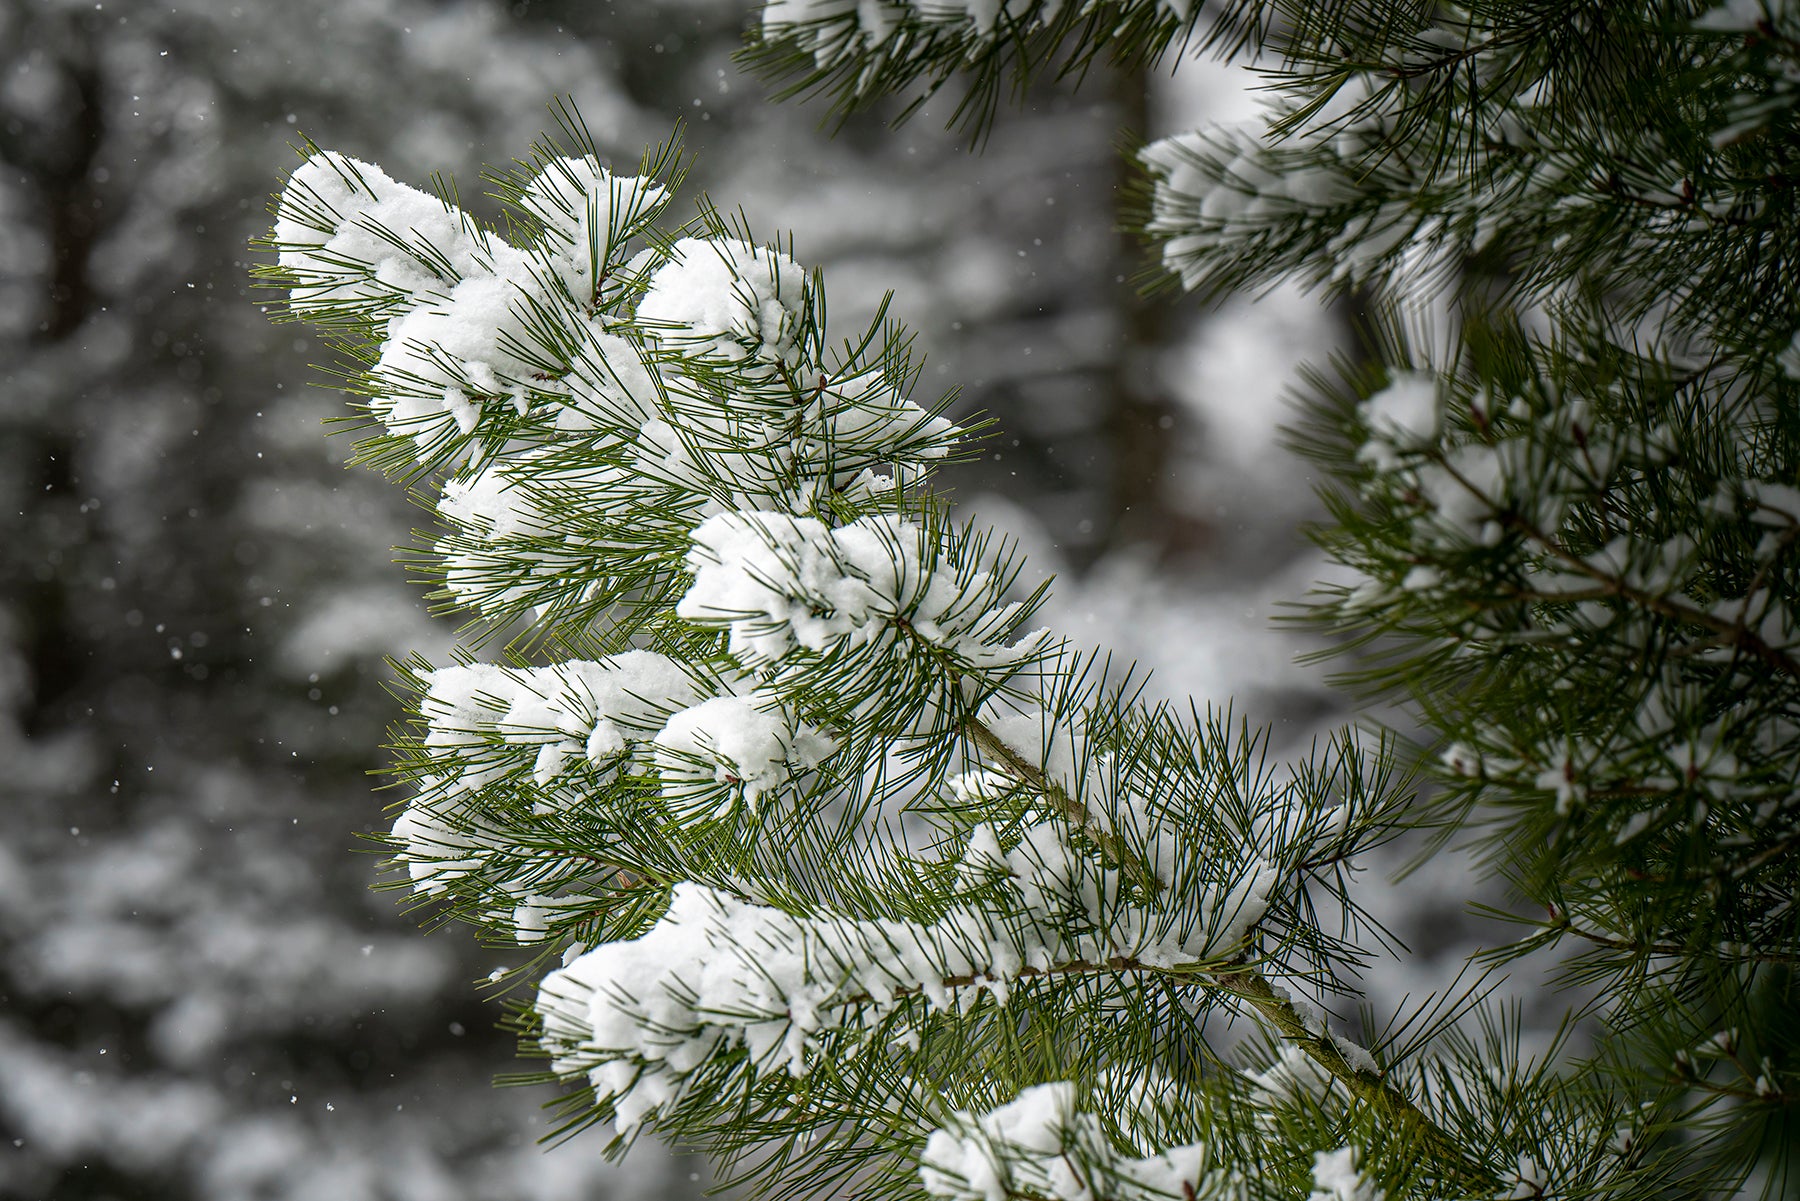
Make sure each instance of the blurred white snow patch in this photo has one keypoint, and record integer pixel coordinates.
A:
(15, 882)
(1206, 91)
(1744, 16)
(1404, 415)
(1235, 373)
(190, 1028)
(979, 278)
(74, 1106)
(364, 623)
(1200, 636)
(292, 1161)
(570, 1171)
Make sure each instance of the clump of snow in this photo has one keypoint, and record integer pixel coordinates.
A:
(1025, 1138)
(745, 743)
(1356, 1055)
(1058, 749)
(1218, 185)
(461, 304)
(438, 852)
(456, 352)
(528, 726)
(782, 584)
(1401, 417)
(495, 501)
(1564, 778)
(727, 300)
(454, 296)
(335, 227)
(1220, 190)
(717, 971)
(1464, 760)
(1294, 1079)
(1336, 1178)
(585, 209)
(1528, 1181)
(609, 386)
(1467, 490)
(1746, 16)
(865, 418)
(1039, 1144)
(577, 710)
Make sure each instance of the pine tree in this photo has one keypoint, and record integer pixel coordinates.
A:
(845, 874)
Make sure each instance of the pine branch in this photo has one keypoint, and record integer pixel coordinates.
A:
(1392, 1106)
(1673, 950)
(770, 639)
(1730, 633)
(1274, 1008)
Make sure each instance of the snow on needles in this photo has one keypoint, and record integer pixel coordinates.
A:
(453, 296)
(1039, 1144)
(460, 304)
(1336, 1178)
(1220, 191)
(781, 583)
(582, 206)
(559, 736)
(744, 743)
(832, 30)
(640, 1017)
(727, 299)
(596, 713)
(586, 710)
(1405, 413)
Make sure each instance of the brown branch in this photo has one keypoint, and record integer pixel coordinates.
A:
(1250, 986)
(1675, 950)
(1254, 989)
(1731, 633)
(1237, 979)
(1767, 855)
(1395, 1108)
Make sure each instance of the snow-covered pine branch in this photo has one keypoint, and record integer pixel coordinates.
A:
(859, 51)
(1569, 510)
(795, 786)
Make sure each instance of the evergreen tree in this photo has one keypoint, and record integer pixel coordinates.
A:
(855, 880)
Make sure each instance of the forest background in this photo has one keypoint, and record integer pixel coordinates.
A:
(200, 997)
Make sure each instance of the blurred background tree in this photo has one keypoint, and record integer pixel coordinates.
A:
(199, 996)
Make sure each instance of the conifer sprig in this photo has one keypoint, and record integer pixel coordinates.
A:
(816, 741)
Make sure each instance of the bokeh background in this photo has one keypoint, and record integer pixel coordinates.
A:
(200, 995)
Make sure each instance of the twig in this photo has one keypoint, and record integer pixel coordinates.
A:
(1250, 986)
(1253, 988)
(1394, 1106)
(1732, 633)
(1664, 948)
